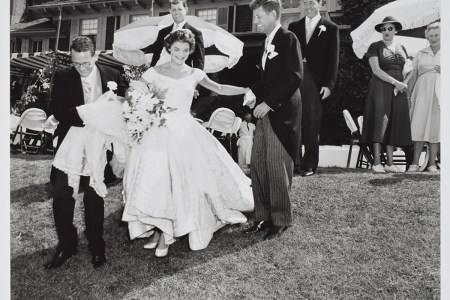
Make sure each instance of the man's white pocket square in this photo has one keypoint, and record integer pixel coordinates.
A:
(272, 54)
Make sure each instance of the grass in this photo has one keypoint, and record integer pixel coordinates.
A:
(356, 235)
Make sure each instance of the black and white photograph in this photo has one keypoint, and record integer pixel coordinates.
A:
(225, 149)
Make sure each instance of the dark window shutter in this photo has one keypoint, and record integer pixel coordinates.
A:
(109, 37)
(244, 18)
(230, 18)
(64, 36)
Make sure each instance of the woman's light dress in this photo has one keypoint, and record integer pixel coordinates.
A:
(425, 105)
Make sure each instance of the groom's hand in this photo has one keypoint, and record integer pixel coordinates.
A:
(261, 110)
(325, 91)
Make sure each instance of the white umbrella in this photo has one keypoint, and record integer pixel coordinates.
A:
(410, 13)
(412, 44)
(131, 38)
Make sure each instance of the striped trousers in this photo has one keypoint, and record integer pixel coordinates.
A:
(271, 172)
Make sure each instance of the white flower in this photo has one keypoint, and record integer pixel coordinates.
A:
(322, 28)
(112, 86)
(46, 85)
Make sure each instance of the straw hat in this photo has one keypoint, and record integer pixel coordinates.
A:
(391, 20)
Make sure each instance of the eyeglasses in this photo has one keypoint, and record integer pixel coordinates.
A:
(85, 64)
(383, 29)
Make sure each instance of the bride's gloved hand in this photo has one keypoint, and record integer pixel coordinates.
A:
(138, 85)
(249, 98)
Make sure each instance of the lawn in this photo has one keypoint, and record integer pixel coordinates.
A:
(356, 235)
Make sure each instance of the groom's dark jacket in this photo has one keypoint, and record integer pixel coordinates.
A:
(67, 94)
(196, 59)
(279, 87)
(322, 51)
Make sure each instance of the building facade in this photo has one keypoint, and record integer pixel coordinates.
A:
(100, 18)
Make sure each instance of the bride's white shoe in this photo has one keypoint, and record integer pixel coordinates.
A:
(150, 245)
(161, 252)
(153, 241)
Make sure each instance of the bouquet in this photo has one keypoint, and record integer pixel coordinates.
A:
(133, 72)
(143, 107)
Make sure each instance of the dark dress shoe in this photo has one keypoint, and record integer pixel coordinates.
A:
(60, 257)
(309, 172)
(98, 261)
(275, 231)
(258, 226)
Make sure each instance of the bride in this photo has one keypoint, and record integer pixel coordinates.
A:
(180, 180)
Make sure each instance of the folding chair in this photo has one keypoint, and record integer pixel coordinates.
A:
(397, 159)
(365, 156)
(30, 130)
(222, 120)
(13, 138)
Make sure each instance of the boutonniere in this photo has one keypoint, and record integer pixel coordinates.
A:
(112, 85)
(271, 53)
(322, 28)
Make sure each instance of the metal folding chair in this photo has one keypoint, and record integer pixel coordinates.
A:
(365, 156)
(222, 120)
(30, 130)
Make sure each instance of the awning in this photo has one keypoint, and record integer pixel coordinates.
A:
(24, 25)
(38, 60)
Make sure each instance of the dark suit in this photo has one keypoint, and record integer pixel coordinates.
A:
(67, 94)
(277, 135)
(195, 59)
(320, 69)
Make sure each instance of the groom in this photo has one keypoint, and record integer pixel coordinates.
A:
(278, 110)
(319, 41)
(178, 10)
(82, 83)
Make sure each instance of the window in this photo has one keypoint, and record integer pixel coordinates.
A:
(12, 46)
(36, 46)
(208, 15)
(89, 27)
(135, 18)
(290, 3)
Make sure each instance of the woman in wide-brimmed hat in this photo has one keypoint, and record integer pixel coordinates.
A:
(386, 116)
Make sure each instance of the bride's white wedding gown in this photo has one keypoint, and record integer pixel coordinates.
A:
(180, 178)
